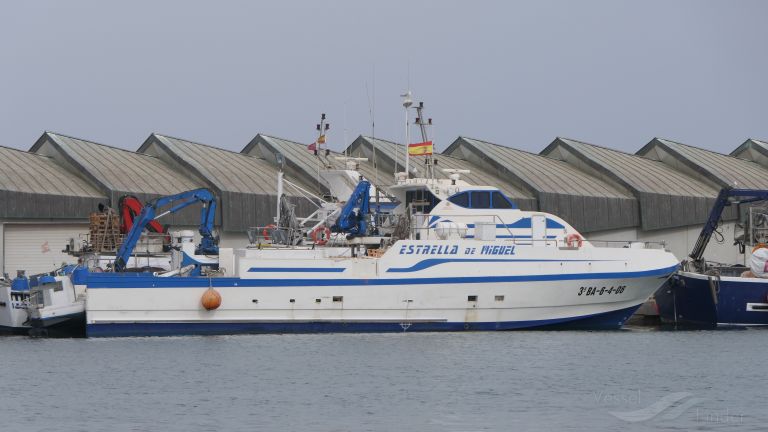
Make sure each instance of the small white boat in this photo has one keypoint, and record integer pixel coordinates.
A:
(56, 307)
(13, 310)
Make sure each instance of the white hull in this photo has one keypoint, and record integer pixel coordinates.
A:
(449, 286)
(13, 312)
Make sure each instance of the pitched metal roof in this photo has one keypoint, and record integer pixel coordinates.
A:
(668, 198)
(247, 185)
(117, 172)
(36, 174)
(389, 154)
(226, 170)
(716, 167)
(115, 169)
(753, 150)
(300, 162)
(586, 201)
(35, 186)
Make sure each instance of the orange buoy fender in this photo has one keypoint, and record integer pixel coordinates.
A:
(574, 239)
(211, 299)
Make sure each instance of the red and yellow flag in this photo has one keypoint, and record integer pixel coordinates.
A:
(420, 149)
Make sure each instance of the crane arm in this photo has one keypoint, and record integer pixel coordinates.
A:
(723, 200)
(149, 214)
(353, 216)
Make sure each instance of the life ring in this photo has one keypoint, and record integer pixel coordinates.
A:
(759, 246)
(574, 238)
(321, 240)
(265, 232)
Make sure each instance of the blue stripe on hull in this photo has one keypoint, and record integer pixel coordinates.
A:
(689, 301)
(138, 280)
(604, 321)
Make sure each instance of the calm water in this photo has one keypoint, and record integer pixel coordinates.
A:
(635, 379)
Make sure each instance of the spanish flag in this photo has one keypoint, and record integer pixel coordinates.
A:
(420, 149)
(321, 139)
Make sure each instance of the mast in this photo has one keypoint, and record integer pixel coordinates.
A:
(423, 128)
(322, 128)
(407, 102)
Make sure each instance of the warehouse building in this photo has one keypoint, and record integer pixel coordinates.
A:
(672, 206)
(661, 193)
(246, 185)
(43, 206)
(587, 202)
(301, 163)
(753, 150)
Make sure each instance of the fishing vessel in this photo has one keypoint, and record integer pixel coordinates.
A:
(711, 294)
(450, 257)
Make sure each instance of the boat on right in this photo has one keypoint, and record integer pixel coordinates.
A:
(704, 294)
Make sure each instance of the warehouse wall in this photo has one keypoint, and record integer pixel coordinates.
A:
(36, 246)
(3, 271)
(680, 241)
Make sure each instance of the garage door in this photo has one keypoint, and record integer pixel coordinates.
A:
(37, 248)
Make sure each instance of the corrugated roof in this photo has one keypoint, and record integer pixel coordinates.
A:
(227, 170)
(718, 168)
(117, 172)
(300, 162)
(635, 172)
(36, 174)
(246, 185)
(668, 198)
(116, 169)
(587, 202)
(33, 186)
(388, 153)
(753, 150)
(542, 173)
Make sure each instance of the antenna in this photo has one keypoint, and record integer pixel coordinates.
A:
(346, 146)
(372, 115)
(424, 138)
(322, 129)
(407, 102)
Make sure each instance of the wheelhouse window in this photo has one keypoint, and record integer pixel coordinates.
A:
(423, 200)
(481, 200)
(501, 202)
(461, 200)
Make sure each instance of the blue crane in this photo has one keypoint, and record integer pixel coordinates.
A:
(723, 200)
(148, 213)
(353, 218)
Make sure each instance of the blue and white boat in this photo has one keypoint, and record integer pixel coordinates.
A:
(706, 294)
(13, 306)
(451, 257)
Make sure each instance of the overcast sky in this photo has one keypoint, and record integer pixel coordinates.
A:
(607, 72)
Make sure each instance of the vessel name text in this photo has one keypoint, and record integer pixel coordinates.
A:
(497, 250)
(429, 250)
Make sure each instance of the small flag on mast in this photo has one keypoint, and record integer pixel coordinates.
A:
(420, 149)
(312, 147)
